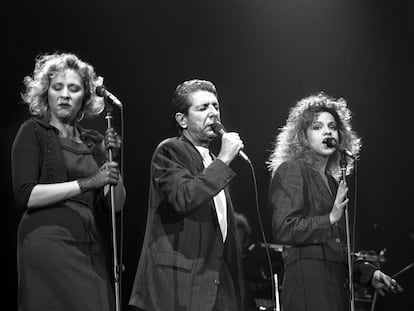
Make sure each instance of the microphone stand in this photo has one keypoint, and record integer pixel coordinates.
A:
(343, 164)
(117, 269)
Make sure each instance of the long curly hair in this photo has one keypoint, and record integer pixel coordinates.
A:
(291, 143)
(49, 65)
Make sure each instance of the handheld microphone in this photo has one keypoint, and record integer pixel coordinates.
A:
(103, 92)
(218, 128)
(332, 143)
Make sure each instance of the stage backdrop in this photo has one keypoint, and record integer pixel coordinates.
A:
(263, 56)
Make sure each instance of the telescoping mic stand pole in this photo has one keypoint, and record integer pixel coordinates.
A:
(343, 163)
(117, 269)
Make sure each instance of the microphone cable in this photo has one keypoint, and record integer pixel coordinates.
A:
(263, 235)
(355, 204)
(121, 229)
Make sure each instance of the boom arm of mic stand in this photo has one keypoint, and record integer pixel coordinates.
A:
(343, 163)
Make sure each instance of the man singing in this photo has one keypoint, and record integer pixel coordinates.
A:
(190, 258)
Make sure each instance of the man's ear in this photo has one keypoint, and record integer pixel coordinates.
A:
(181, 119)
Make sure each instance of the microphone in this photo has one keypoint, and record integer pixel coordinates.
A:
(332, 143)
(101, 91)
(218, 128)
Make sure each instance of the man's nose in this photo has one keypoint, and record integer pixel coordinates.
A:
(213, 110)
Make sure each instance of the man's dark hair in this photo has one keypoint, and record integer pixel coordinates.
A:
(180, 97)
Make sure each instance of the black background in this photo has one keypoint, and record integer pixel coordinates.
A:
(263, 55)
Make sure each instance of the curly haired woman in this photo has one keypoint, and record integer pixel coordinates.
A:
(60, 179)
(308, 207)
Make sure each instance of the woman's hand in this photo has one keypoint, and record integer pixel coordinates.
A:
(340, 202)
(108, 174)
(112, 141)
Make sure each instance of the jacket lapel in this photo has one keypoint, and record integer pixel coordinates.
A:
(323, 188)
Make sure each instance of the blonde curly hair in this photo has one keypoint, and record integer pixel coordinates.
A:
(291, 144)
(46, 67)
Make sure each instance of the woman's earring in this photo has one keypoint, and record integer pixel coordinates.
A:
(82, 115)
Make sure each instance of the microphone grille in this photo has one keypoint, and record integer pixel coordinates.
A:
(333, 141)
(100, 91)
(217, 128)
(330, 142)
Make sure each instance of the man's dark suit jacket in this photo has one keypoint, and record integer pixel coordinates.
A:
(183, 246)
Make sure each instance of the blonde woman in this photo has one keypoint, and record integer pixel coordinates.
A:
(60, 179)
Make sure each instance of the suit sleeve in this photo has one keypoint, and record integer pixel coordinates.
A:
(291, 222)
(173, 174)
(25, 164)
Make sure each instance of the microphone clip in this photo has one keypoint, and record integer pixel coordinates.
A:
(101, 91)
